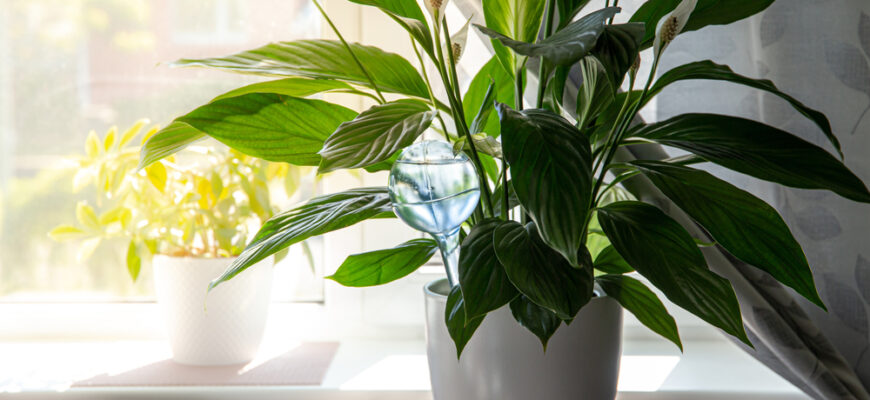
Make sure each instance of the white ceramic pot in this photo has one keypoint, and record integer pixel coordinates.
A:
(504, 361)
(223, 327)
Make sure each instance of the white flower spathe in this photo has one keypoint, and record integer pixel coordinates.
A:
(672, 24)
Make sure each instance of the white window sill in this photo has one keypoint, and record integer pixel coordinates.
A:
(45, 363)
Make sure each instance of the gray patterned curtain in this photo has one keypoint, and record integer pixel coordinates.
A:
(818, 51)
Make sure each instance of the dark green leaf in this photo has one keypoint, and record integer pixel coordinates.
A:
(663, 252)
(758, 150)
(597, 92)
(270, 126)
(712, 71)
(476, 98)
(540, 272)
(375, 135)
(518, 20)
(643, 303)
(564, 47)
(326, 59)
(383, 266)
(617, 49)
(743, 224)
(167, 142)
(609, 261)
(538, 320)
(460, 329)
(294, 87)
(320, 215)
(498, 198)
(545, 153)
(566, 10)
(485, 285)
(707, 12)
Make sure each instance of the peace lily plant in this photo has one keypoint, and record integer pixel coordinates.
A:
(552, 222)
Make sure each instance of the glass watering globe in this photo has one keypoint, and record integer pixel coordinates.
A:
(435, 191)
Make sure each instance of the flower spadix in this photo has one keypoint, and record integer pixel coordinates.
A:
(672, 24)
(458, 41)
(436, 9)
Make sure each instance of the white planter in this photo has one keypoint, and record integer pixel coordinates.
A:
(222, 328)
(504, 361)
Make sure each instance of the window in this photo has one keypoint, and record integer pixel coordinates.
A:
(70, 67)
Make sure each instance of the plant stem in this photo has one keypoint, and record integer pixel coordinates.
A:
(429, 86)
(459, 113)
(352, 54)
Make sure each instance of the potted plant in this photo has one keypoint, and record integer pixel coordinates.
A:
(553, 242)
(191, 213)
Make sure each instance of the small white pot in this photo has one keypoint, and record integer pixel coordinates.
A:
(223, 327)
(504, 361)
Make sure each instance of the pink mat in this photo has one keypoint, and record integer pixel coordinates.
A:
(304, 365)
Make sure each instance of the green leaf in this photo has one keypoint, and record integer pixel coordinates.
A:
(402, 8)
(663, 252)
(545, 152)
(66, 232)
(134, 261)
(485, 285)
(485, 110)
(477, 103)
(320, 215)
(609, 261)
(643, 303)
(566, 10)
(419, 30)
(519, 20)
(597, 92)
(707, 12)
(484, 144)
(92, 145)
(709, 70)
(86, 216)
(617, 49)
(293, 87)
(539, 272)
(156, 174)
(324, 59)
(743, 224)
(565, 46)
(168, 141)
(383, 266)
(460, 328)
(375, 135)
(542, 322)
(758, 150)
(270, 126)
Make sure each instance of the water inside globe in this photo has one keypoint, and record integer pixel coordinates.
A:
(432, 189)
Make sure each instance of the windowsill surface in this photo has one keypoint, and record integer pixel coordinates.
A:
(712, 368)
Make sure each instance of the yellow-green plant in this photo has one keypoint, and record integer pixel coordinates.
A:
(197, 203)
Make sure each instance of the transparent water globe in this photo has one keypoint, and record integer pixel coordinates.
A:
(435, 191)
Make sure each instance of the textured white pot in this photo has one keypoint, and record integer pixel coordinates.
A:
(504, 361)
(222, 328)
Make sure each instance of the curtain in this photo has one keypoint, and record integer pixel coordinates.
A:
(819, 52)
